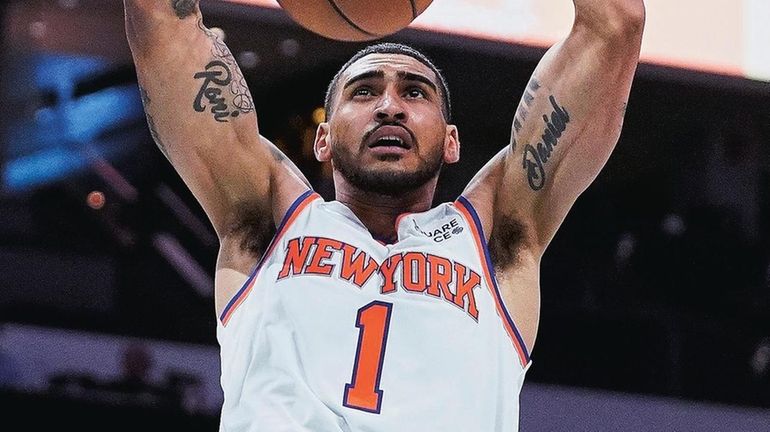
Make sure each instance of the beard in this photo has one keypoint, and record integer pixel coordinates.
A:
(387, 182)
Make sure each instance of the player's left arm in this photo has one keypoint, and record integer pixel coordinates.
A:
(565, 128)
(566, 125)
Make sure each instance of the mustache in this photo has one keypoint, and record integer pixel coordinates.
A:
(371, 132)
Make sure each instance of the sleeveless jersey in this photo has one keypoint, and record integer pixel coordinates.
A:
(336, 331)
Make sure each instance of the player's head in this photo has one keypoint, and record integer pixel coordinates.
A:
(390, 48)
(387, 128)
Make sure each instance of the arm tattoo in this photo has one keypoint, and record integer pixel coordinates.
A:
(151, 122)
(222, 74)
(521, 113)
(184, 8)
(535, 157)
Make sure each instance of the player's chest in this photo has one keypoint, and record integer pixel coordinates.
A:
(437, 260)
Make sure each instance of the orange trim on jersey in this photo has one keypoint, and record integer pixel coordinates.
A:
(291, 215)
(471, 217)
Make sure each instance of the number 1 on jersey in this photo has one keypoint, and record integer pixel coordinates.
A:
(363, 392)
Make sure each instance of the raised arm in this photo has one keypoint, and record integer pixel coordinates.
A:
(565, 128)
(202, 117)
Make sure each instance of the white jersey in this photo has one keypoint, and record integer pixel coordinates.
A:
(337, 331)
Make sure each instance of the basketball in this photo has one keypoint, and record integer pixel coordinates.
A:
(354, 20)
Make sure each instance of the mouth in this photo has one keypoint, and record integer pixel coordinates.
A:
(390, 137)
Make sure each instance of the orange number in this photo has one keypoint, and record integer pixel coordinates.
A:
(363, 392)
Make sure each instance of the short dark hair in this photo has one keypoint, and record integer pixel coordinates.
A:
(391, 48)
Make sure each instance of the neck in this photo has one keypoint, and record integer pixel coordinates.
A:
(379, 212)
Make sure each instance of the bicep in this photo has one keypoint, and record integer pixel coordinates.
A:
(565, 128)
(201, 115)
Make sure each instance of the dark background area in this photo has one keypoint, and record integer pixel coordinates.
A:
(657, 283)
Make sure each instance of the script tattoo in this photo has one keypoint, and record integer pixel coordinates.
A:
(215, 77)
(523, 111)
(151, 122)
(535, 157)
(222, 74)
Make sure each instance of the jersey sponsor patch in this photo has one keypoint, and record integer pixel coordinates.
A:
(440, 233)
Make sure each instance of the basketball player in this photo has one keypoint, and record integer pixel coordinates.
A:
(376, 312)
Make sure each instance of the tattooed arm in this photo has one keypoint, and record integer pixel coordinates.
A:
(566, 125)
(201, 114)
(202, 118)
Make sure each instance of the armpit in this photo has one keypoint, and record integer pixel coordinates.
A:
(505, 242)
(253, 225)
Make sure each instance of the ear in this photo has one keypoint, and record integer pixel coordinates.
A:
(451, 145)
(322, 145)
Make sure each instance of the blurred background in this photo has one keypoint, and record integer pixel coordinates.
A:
(656, 290)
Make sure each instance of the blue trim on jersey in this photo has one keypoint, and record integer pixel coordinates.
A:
(480, 229)
(261, 261)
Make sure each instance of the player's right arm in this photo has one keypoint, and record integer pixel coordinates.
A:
(202, 117)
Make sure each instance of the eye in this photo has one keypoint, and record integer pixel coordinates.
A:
(415, 92)
(362, 91)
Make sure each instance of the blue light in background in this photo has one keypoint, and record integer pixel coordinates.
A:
(49, 146)
(41, 168)
(91, 115)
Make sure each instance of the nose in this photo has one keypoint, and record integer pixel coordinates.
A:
(390, 108)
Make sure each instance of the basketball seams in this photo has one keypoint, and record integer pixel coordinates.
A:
(354, 20)
(414, 8)
(347, 19)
